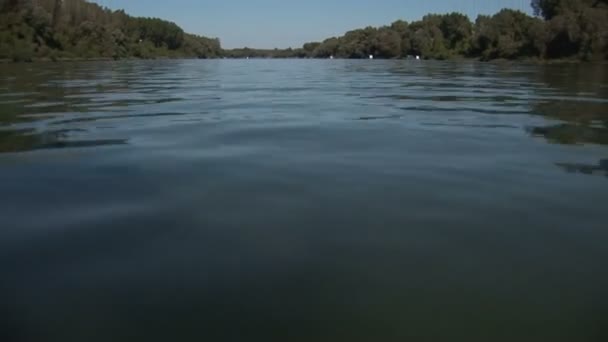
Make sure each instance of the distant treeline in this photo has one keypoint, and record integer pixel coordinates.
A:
(55, 29)
(266, 53)
(569, 29)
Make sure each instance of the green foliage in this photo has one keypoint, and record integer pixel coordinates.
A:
(552, 8)
(387, 43)
(428, 39)
(575, 29)
(22, 51)
(508, 34)
(201, 47)
(161, 33)
(309, 48)
(76, 28)
(457, 31)
(265, 53)
(329, 47)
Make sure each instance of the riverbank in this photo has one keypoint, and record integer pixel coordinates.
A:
(78, 59)
(455, 59)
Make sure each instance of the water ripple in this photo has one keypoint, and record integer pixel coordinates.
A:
(78, 95)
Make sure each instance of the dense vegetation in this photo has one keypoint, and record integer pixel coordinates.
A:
(574, 29)
(266, 53)
(564, 29)
(57, 29)
(570, 29)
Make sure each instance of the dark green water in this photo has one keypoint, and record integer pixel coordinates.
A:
(303, 201)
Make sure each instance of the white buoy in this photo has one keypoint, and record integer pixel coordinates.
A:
(371, 56)
(331, 57)
(418, 57)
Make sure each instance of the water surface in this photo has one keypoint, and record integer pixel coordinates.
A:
(303, 201)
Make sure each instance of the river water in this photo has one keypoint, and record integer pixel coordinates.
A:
(301, 200)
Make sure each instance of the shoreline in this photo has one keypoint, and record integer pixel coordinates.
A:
(536, 61)
(83, 59)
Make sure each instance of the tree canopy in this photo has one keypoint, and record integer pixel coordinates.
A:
(571, 29)
(576, 29)
(80, 29)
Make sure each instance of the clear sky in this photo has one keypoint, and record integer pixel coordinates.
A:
(285, 23)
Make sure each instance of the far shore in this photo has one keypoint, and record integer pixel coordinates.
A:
(458, 59)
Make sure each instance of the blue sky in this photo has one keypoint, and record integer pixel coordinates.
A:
(285, 23)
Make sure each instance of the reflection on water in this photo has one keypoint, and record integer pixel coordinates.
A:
(601, 168)
(39, 109)
(572, 133)
(26, 140)
(579, 100)
(583, 122)
(36, 100)
(303, 201)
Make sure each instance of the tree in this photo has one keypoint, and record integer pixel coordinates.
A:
(457, 30)
(546, 8)
(552, 8)
(428, 40)
(575, 28)
(77, 28)
(508, 34)
(387, 43)
(328, 47)
(309, 48)
(403, 30)
(56, 12)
